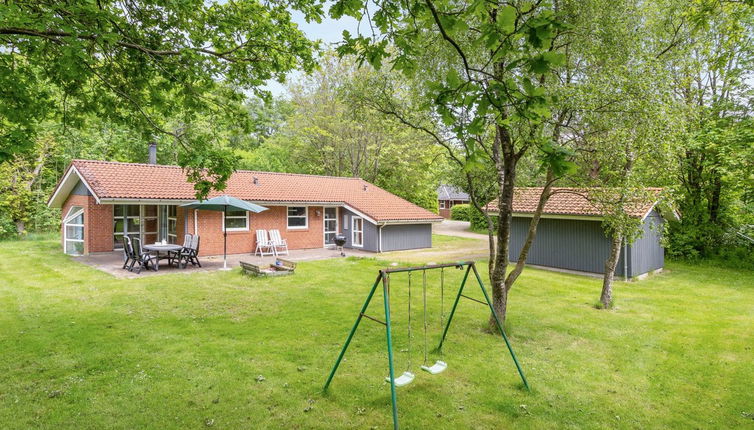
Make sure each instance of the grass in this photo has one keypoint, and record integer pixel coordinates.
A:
(444, 248)
(80, 349)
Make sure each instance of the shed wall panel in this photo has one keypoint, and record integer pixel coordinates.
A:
(80, 189)
(565, 244)
(406, 236)
(646, 253)
(371, 236)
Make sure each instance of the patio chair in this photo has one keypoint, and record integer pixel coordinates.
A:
(145, 260)
(278, 243)
(264, 243)
(190, 254)
(174, 256)
(129, 259)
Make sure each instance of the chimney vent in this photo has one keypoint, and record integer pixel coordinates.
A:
(256, 180)
(152, 152)
(365, 187)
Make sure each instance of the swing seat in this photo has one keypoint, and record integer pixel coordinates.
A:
(402, 380)
(436, 368)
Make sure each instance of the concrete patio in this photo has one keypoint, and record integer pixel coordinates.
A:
(112, 262)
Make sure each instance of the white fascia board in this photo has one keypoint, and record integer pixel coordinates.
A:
(410, 221)
(293, 203)
(66, 186)
(360, 214)
(114, 201)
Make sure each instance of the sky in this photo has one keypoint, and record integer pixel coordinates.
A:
(329, 31)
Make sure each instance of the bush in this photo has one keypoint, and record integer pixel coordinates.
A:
(478, 221)
(460, 212)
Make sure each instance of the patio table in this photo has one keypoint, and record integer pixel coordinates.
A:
(162, 248)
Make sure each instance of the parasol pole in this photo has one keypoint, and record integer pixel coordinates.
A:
(225, 238)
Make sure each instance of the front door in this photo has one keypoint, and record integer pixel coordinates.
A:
(331, 225)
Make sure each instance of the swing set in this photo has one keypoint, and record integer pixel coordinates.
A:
(440, 365)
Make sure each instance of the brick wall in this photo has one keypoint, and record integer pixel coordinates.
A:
(209, 227)
(100, 226)
(98, 223)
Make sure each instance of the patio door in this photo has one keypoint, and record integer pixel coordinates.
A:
(357, 231)
(168, 223)
(331, 225)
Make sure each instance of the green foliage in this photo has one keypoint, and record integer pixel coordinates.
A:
(716, 192)
(329, 129)
(155, 67)
(460, 212)
(479, 222)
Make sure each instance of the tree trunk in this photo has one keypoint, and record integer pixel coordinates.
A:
(714, 202)
(506, 169)
(606, 298)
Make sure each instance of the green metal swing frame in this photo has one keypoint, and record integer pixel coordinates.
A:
(384, 278)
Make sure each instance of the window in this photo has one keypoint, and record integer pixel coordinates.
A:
(297, 217)
(126, 220)
(236, 220)
(357, 232)
(168, 223)
(73, 231)
(442, 204)
(149, 223)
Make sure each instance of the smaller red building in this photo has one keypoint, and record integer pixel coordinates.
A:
(449, 196)
(103, 201)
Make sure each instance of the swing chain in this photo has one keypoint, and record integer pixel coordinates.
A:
(442, 301)
(424, 295)
(408, 367)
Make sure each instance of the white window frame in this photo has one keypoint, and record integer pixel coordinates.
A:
(144, 220)
(71, 215)
(442, 204)
(305, 216)
(245, 217)
(354, 231)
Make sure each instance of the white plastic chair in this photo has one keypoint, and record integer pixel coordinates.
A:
(264, 243)
(278, 243)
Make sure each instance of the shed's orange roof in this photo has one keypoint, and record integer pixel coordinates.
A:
(572, 201)
(113, 180)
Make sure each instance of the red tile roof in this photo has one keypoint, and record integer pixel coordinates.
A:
(112, 180)
(572, 201)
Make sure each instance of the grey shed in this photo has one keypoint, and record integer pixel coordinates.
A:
(570, 235)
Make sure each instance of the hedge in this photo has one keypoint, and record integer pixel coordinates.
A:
(460, 212)
(478, 222)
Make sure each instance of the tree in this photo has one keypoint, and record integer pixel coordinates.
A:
(482, 69)
(712, 77)
(333, 131)
(151, 65)
(626, 122)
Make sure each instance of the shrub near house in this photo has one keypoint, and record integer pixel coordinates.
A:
(460, 212)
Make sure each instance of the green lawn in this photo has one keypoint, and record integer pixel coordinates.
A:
(80, 349)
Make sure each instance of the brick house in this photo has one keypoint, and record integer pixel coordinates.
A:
(102, 201)
(449, 196)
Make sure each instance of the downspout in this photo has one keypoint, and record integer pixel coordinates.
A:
(379, 241)
(625, 260)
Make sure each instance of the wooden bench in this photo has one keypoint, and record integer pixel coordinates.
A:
(280, 268)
